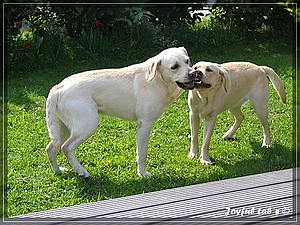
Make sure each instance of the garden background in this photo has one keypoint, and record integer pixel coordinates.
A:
(45, 43)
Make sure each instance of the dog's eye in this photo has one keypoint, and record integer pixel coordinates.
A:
(176, 66)
(208, 70)
(195, 68)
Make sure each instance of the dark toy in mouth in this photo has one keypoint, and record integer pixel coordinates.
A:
(201, 84)
(186, 86)
(195, 83)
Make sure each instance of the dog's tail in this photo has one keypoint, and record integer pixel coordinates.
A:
(52, 118)
(277, 83)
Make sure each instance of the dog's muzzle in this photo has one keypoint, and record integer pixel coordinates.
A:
(198, 83)
(195, 76)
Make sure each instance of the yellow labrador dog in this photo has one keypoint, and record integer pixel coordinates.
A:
(228, 86)
(139, 92)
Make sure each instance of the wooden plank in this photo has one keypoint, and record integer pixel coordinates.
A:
(267, 196)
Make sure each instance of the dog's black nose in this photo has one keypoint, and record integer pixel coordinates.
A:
(196, 74)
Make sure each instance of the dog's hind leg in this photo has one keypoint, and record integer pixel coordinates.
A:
(261, 109)
(259, 100)
(52, 153)
(82, 123)
(77, 137)
(239, 117)
(53, 150)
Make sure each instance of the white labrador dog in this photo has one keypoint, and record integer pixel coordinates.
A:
(139, 92)
(228, 86)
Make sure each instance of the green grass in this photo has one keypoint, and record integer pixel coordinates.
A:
(109, 155)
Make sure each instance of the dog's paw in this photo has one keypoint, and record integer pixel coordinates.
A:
(61, 170)
(206, 161)
(83, 173)
(228, 135)
(265, 145)
(144, 174)
(229, 138)
(192, 155)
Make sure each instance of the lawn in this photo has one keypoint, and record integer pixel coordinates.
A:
(109, 155)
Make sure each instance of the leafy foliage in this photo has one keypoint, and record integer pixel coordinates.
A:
(256, 18)
(44, 36)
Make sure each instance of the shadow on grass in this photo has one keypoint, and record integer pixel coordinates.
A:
(277, 157)
(101, 187)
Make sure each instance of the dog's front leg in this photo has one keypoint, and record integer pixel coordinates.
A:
(143, 134)
(194, 125)
(209, 124)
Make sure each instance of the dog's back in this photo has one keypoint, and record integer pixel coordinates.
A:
(244, 75)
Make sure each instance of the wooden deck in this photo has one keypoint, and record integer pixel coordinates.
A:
(263, 197)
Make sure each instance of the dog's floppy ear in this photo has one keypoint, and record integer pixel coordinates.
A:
(184, 50)
(152, 69)
(222, 72)
(186, 53)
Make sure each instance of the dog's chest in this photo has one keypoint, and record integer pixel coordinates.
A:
(207, 112)
(206, 107)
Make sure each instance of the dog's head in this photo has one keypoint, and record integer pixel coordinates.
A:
(209, 75)
(173, 65)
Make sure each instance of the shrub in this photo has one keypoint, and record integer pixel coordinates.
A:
(35, 38)
(50, 35)
(254, 19)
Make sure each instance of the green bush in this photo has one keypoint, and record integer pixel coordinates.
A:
(51, 35)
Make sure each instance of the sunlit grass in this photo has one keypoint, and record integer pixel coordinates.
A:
(109, 155)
